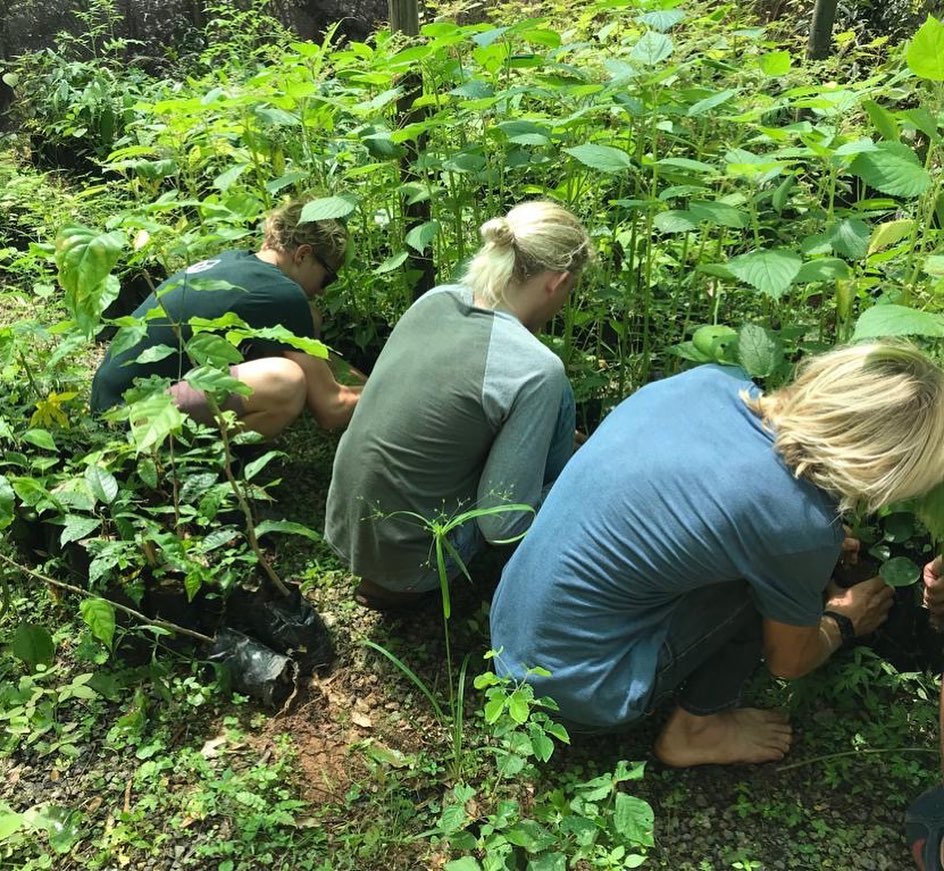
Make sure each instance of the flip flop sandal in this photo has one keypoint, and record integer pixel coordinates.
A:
(924, 827)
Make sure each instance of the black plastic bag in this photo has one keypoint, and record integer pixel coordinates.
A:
(255, 670)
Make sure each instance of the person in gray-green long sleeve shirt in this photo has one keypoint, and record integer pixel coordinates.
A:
(465, 409)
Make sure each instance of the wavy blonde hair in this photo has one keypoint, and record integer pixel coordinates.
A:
(533, 237)
(283, 231)
(865, 423)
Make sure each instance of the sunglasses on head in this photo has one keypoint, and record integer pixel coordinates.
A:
(331, 275)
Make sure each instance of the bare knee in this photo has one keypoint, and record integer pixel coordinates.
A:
(278, 387)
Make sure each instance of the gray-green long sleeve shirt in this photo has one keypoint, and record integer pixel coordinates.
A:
(459, 413)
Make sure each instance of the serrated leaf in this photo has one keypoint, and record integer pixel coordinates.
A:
(925, 52)
(893, 168)
(85, 257)
(603, 158)
(102, 484)
(287, 526)
(674, 222)
(883, 120)
(823, 269)
(900, 571)
(33, 645)
(881, 321)
(718, 213)
(710, 102)
(663, 19)
(758, 351)
(652, 48)
(769, 270)
(774, 63)
(633, 819)
(849, 237)
(99, 616)
(328, 208)
(890, 233)
(225, 180)
(419, 238)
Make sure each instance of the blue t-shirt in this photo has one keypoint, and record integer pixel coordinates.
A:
(679, 488)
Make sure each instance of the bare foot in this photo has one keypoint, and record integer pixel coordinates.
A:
(741, 735)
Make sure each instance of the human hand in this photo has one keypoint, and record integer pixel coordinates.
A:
(866, 604)
(933, 592)
(579, 438)
(850, 548)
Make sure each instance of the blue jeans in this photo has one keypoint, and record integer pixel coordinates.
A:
(713, 646)
(468, 539)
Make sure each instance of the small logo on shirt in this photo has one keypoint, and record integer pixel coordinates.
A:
(202, 266)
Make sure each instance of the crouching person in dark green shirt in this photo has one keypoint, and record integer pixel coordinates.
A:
(272, 287)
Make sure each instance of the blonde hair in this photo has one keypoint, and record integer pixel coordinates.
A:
(533, 237)
(284, 232)
(865, 423)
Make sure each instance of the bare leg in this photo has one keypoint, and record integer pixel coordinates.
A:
(278, 394)
(738, 735)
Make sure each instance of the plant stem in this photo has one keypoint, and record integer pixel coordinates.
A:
(148, 621)
(829, 756)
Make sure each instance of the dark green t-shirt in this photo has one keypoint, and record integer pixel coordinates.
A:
(262, 295)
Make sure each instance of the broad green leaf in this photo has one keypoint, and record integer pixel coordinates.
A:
(718, 213)
(674, 222)
(849, 237)
(217, 382)
(209, 349)
(153, 354)
(769, 270)
(710, 102)
(153, 420)
(41, 439)
(881, 321)
(633, 819)
(286, 526)
(102, 484)
(890, 233)
(900, 571)
(85, 257)
(548, 862)
(781, 194)
(663, 19)
(33, 645)
(62, 825)
(419, 238)
(395, 261)
(883, 120)
(823, 269)
(898, 527)
(224, 181)
(925, 52)
(759, 352)
(934, 265)
(894, 169)
(714, 342)
(99, 616)
(686, 163)
(76, 528)
(604, 158)
(11, 79)
(10, 822)
(326, 208)
(652, 48)
(257, 465)
(466, 863)
(7, 499)
(774, 63)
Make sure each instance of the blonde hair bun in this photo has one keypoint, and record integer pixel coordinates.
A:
(498, 231)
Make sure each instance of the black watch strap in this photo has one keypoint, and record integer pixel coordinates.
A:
(846, 629)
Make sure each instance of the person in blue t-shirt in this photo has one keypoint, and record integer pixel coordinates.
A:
(271, 287)
(696, 531)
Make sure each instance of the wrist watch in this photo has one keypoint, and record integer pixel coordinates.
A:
(846, 629)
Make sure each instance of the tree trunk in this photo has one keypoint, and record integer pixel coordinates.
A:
(405, 18)
(821, 30)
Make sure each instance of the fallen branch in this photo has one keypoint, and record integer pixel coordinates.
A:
(829, 756)
(143, 618)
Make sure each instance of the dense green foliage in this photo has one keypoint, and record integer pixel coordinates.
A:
(746, 206)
